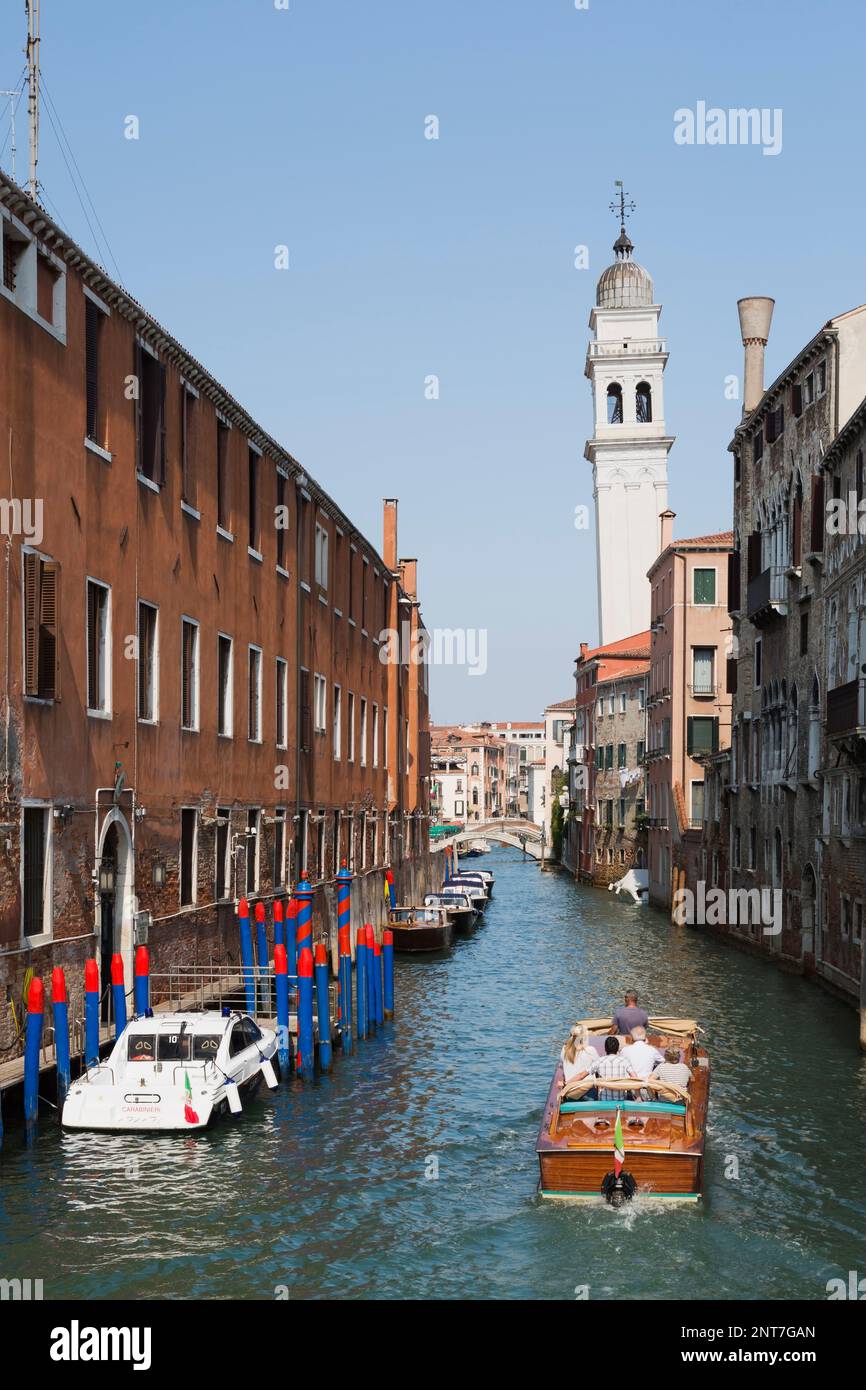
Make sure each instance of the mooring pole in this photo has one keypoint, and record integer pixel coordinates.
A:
(323, 1007)
(142, 981)
(344, 937)
(304, 920)
(262, 955)
(91, 1013)
(370, 962)
(247, 954)
(361, 981)
(279, 923)
(281, 977)
(292, 941)
(118, 994)
(305, 1055)
(60, 1014)
(377, 972)
(388, 972)
(32, 1044)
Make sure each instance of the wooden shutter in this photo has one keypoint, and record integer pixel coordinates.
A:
(797, 528)
(817, 512)
(733, 581)
(159, 469)
(138, 370)
(754, 555)
(32, 577)
(797, 401)
(49, 631)
(92, 646)
(91, 369)
(186, 677)
(305, 712)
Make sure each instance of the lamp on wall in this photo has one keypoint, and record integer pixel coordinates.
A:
(157, 873)
(106, 876)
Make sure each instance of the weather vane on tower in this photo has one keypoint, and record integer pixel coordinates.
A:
(620, 207)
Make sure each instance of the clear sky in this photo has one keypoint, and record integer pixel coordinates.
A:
(412, 257)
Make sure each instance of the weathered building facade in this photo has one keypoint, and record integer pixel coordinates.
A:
(199, 697)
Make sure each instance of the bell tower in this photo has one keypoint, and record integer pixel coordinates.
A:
(629, 448)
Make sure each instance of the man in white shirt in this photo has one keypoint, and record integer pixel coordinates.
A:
(640, 1054)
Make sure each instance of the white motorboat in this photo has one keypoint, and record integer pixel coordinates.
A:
(635, 885)
(173, 1071)
(458, 906)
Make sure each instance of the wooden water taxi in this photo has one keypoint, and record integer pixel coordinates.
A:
(458, 907)
(421, 929)
(662, 1138)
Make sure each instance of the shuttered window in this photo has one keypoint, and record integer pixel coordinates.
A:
(255, 696)
(34, 870)
(92, 329)
(41, 627)
(150, 416)
(222, 482)
(817, 527)
(224, 686)
(282, 701)
(702, 735)
(187, 444)
(306, 713)
(704, 586)
(97, 647)
(189, 675)
(147, 675)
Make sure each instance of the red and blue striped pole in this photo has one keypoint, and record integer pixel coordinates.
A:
(304, 920)
(304, 1060)
(32, 1044)
(292, 942)
(262, 955)
(377, 971)
(60, 1013)
(345, 940)
(323, 1007)
(344, 896)
(247, 954)
(388, 972)
(142, 981)
(281, 978)
(370, 960)
(91, 1013)
(361, 982)
(118, 994)
(279, 923)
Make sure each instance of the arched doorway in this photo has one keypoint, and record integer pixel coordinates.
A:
(115, 905)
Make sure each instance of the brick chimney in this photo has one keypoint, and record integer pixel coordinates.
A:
(667, 529)
(409, 577)
(389, 542)
(584, 648)
(756, 315)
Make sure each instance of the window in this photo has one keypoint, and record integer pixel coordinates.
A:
(36, 870)
(697, 816)
(363, 732)
(614, 404)
(608, 757)
(95, 426)
(303, 538)
(350, 713)
(150, 416)
(704, 586)
(280, 847)
(252, 842)
(857, 924)
(41, 626)
(365, 570)
(254, 725)
(148, 710)
(759, 648)
(98, 648)
(188, 837)
(810, 388)
(321, 704)
(753, 847)
(611, 701)
(225, 682)
(621, 821)
(703, 670)
(189, 674)
(338, 722)
(222, 858)
(821, 378)
(702, 735)
(375, 735)
(321, 557)
(281, 520)
(641, 749)
(385, 736)
(188, 399)
(620, 755)
(623, 702)
(222, 477)
(643, 401)
(282, 702)
(253, 540)
(641, 697)
(804, 632)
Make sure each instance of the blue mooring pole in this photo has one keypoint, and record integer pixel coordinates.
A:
(377, 970)
(305, 1056)
(118, 994)
(292, 942)
(32, 1044)
(369, 961)
(281, 977)
(344, 937)
(247, 955)
(323, 1009)
(361, 982)
(388, 973)
(279, 924)
(60, 1013)
(141, 981)
(262, 956)
(91, 1013)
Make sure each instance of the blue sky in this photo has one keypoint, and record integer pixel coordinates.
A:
(412, 257)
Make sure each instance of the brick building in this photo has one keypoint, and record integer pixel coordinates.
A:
(199, 699)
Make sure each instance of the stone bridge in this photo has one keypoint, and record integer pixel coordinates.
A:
(522, 834)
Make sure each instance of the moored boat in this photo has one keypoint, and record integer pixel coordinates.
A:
(649, 1143)
(458, 906)
(421, 929)
(170, 1071)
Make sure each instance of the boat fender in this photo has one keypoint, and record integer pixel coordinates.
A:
(268, 1073)
(233, 1096)
(617, 1190)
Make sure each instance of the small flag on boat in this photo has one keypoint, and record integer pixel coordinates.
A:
(188, 1113)
(618, 1150)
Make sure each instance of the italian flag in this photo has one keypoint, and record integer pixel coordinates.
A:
(618, 1148)
(188, 1113)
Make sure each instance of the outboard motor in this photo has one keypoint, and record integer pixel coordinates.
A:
(617, 1190)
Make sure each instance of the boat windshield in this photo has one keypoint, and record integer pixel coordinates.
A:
(205, 1046)
(173, 1047)
(141, 1047)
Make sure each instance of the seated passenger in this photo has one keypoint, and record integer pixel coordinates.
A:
(626, 1019)
(613, 1067)
(672, 1069)
(641, 1054)
(578, 1058)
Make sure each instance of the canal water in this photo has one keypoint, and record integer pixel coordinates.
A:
(410, 1170)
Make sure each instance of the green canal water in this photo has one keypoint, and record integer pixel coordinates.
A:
(410, 1170)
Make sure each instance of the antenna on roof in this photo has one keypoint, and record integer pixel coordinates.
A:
(12, 98)
(32, 53)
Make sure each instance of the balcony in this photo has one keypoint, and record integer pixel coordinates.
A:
(768, 596)
(633, 347)
(704, 690)
(846, 710)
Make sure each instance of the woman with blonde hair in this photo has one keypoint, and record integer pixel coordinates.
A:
(577, 1057)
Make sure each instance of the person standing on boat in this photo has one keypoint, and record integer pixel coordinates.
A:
(578, 1058)
(612, 1067)
(626, 1019)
